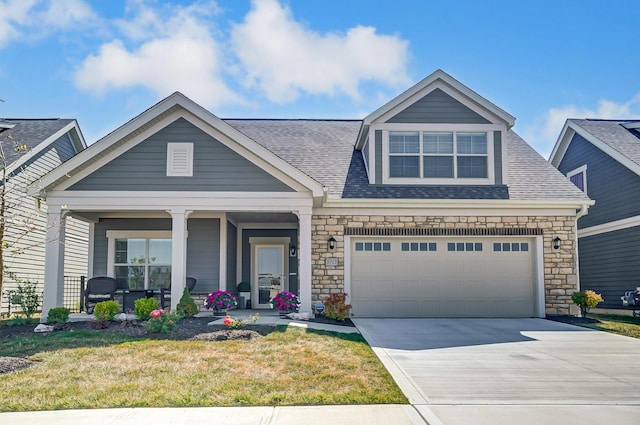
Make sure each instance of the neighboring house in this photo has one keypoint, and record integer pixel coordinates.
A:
(430, 206)
(602, 158)
(48, 143)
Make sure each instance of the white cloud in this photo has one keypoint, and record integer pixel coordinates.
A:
(33, 19)
(178, 53)
(285, 58)
(545, 131)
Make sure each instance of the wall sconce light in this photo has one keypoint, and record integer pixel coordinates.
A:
(332, 243)
(292, 250)
(556, 242)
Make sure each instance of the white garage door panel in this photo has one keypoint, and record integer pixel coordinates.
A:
(442, 283)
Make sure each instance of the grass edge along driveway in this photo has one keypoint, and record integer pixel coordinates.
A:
(290, 366)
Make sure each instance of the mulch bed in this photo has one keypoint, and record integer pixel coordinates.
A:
(573, 320)
(195, 328)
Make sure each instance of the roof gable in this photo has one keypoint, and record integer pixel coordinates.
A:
(445, 83)
(438, 107)
(156, 118)
(216, 168)
(36, 135)
(615, 138)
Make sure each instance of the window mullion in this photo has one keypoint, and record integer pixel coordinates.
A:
(455, 154)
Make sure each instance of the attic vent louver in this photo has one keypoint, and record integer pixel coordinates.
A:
(180, 159)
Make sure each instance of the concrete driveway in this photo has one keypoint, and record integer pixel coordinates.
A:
(508, 371)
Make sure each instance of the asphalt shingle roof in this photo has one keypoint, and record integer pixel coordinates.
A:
(324, 150)
(29, 132)
(615, 135)
(531, 177)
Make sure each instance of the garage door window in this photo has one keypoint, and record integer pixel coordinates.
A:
(373, 246)
(511, 247)
(418, 246)
(464, 246)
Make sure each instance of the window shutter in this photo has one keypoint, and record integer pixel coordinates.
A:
(180, 159)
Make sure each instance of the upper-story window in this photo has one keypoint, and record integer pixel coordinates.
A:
(438, 154)
(579, 177)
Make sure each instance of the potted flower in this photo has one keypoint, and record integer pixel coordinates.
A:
(220, 302)
(285, 302)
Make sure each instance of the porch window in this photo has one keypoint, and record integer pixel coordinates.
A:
(141, 263)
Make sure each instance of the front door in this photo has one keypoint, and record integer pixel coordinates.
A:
(269, 273)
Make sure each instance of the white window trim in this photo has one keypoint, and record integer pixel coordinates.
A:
(366, 158)
(172, 171)
(112, 235)
(466, 128)
(583, 170)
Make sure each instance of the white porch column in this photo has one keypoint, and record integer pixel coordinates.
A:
(178, 254)
(222, 276)
(53, 261)
(304, 256)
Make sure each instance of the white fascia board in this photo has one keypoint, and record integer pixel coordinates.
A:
(196, 201)
(611, 226)
(562, 143)
(72, 126)
(450, 211)
(455, 203)
(422, 88)
(214, 124)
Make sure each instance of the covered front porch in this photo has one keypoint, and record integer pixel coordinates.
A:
(268, 246)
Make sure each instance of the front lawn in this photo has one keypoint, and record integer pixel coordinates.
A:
(622, 325)
(290, 366)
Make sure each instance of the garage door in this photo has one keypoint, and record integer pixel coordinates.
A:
(442, 277)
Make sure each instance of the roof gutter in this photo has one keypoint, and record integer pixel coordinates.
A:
(582, 211)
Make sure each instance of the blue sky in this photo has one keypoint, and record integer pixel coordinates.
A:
(104, 62)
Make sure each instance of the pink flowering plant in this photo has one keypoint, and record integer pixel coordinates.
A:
(234, 323)
(285, 301)
(220, 300)
(161, 321)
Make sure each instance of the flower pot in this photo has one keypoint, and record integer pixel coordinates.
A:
(222, 312)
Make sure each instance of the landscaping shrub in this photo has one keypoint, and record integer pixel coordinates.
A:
(187, 306)
(143, 307)
(162, 321)
(27, 298)
(106, 310)
(58, 315)
(586, 300)
(336, 307)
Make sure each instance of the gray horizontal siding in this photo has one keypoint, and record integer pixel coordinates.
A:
(438, 107)
(203, 242)
(216, 167)
(497, 154)
(615, 188)
(203, 253)
(610, 264)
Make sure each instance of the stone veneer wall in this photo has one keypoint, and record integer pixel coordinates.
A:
(560, 277)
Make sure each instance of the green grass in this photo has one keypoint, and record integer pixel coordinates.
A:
(287, 367)
(622, 325)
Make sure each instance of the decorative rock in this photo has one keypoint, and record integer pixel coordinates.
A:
(42, 328)
(123, 317)
(299, 316)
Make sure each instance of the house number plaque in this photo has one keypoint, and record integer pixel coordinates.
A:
(331, 262)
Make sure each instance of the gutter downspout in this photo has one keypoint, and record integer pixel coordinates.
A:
(581, 212)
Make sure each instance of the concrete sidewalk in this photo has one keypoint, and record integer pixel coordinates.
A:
(391, 414)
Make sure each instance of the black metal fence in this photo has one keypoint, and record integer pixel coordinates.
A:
(74, 293)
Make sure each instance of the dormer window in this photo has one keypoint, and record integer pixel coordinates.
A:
(438, 155)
